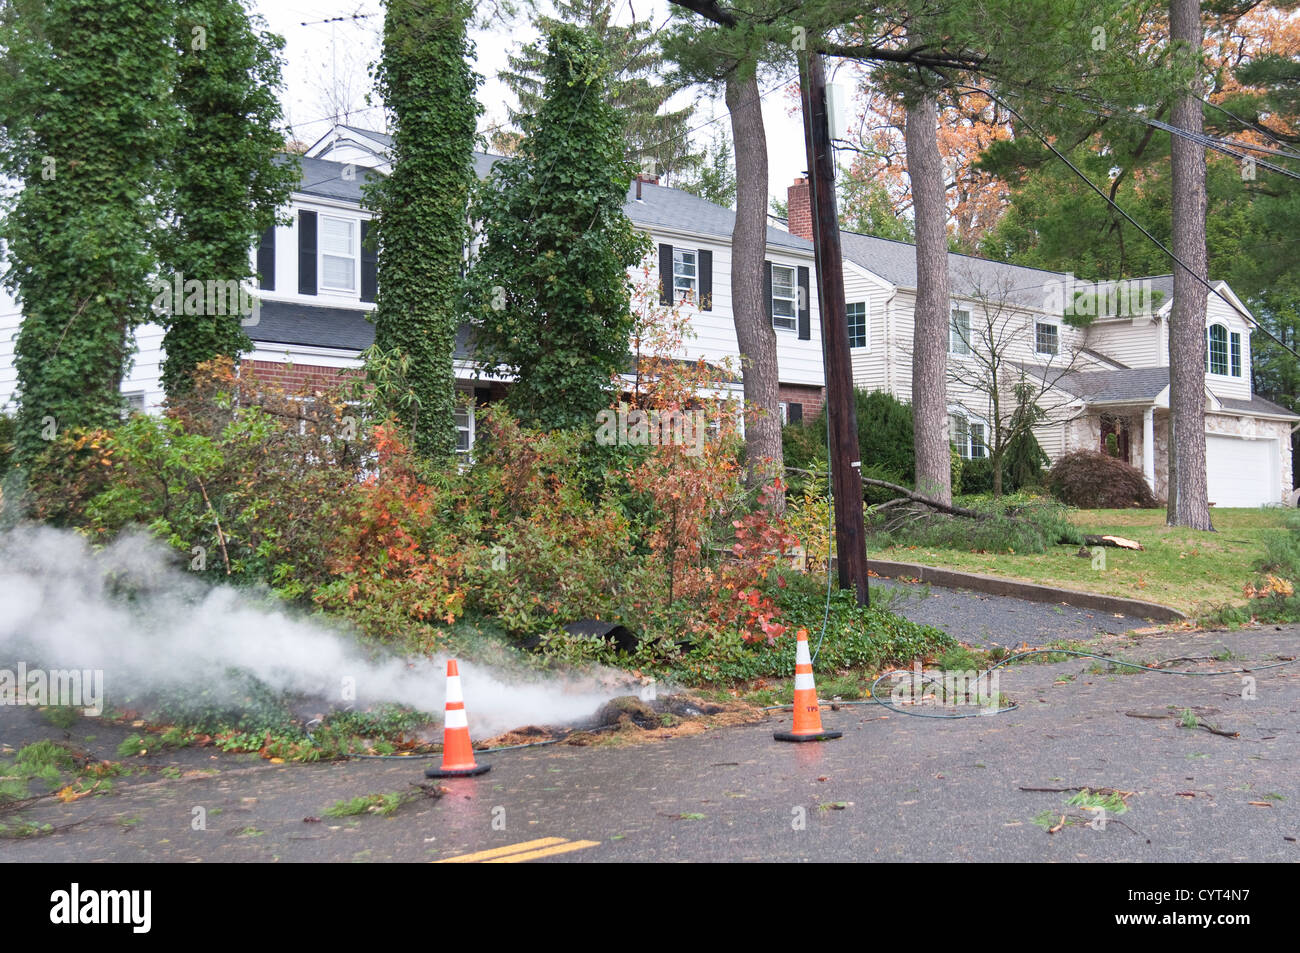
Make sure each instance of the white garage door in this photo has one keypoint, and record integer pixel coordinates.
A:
(1242, 472)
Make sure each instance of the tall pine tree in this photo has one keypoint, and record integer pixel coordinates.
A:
(653, 132)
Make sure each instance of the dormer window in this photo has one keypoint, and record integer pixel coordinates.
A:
(338, 253)
(1216, 356)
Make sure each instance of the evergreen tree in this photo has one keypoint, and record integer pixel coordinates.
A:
(715, 177)
(654, 133)
(421, 227)
(551, 294)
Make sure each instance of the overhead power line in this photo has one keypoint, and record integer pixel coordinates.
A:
(1245, 316)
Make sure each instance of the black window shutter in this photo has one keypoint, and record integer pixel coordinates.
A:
(793, 413)
(369, 266)
(266, 260)
(306, 252)
(705, 270)
(666, 274)
(805, 316)
(767, 288)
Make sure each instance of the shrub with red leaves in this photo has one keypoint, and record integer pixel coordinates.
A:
(1092, 480)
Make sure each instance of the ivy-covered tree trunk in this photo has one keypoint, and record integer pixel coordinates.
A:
(226, 181)
(550, 287)
(930, 328)
(421, 225)
(1188, 490)
(82, 105)
(754, 333)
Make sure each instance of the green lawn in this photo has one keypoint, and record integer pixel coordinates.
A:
(1188, 570)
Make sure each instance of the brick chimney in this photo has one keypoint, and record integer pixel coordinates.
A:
(799, 209)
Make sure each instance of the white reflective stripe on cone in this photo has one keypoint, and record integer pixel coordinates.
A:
(801, 656)
(803, 682)
(455, 718)
(453, 689)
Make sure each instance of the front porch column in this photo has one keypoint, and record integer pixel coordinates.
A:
(1149, 447)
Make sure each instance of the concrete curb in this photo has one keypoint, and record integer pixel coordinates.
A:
(1029, 591)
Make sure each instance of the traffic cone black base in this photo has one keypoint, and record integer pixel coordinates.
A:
(818, 736)
(457, 772)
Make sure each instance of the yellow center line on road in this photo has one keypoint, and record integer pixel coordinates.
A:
(529, 846)
(544, 852)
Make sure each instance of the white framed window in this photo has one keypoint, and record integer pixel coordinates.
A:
(1222, 351)
(969, 436)
(1047, 338)
(785, 298)
(959, 331)
(464, 417)
(856, 312)
(686, 273)
(338, 253)
(133, 403)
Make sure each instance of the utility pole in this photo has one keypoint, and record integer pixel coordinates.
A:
(842, 416)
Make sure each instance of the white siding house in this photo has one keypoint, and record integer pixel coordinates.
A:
(1109, 378)
(316, 286)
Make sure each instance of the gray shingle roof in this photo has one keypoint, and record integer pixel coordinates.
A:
(1143, 384)
(970, 277)
(660, 206)
(349, 329)
(282, 322)
(1137, 384)
(1258, 405)
(1162, 283)
(672, 208)
(331, 180)
(381, 137)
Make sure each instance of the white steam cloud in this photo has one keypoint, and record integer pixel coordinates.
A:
(150, 627)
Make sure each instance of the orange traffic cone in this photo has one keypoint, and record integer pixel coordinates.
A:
(807, 714)
(457, 753)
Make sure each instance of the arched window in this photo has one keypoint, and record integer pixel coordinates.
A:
(1217, 353)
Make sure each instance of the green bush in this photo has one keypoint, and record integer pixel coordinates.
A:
(855, 638)
(1022, 466)
(7, 430)
(1277, 599)
(884, 442)
(976, 476)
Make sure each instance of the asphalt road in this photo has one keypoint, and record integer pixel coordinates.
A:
(894, 788)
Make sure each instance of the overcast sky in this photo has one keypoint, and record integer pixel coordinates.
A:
(320, 55)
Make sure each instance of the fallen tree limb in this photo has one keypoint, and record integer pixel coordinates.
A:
(926, 501)
(1117, 541)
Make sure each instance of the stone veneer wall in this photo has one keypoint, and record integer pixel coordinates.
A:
(1084, 433)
